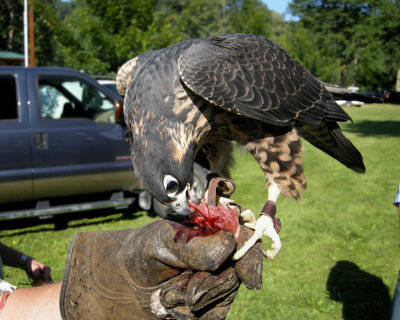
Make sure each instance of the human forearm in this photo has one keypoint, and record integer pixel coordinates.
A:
(39, 303)
(10, 256)
(36, 270)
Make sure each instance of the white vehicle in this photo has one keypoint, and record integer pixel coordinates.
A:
(109, 83)
(349, 103)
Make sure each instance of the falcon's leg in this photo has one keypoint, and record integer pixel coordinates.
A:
(280, 160)
(279, 157)
(263, 226)
(219, 156)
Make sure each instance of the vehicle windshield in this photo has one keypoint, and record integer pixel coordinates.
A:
(112, 87)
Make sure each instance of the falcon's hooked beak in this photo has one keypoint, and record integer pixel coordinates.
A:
(179, 205)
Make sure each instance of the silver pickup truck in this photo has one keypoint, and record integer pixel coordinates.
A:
(62, 145)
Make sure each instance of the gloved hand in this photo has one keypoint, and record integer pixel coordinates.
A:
(163, 270)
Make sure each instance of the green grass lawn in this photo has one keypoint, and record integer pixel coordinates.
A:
(340, 243)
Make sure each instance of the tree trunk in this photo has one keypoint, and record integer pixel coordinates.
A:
(10, 33)
(355, 70)
(343, 76)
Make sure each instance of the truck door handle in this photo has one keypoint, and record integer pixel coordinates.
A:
(40, 140)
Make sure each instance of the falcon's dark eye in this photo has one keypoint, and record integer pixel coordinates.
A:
(170, 185)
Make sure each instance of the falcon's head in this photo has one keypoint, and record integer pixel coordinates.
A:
(162, 145)
(168, 176)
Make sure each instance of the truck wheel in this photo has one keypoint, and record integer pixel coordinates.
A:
(199, 183)
(60, 223)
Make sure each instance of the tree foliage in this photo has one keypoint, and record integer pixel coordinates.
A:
(358, 33)
(11, 22)
(303, 46)
(348, 42)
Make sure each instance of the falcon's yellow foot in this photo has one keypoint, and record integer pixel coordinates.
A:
(263, 226)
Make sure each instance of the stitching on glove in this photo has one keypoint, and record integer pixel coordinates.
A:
(94, 282)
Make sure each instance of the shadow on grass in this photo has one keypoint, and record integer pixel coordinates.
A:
(60, 222)
(363, 295)
(374, 128)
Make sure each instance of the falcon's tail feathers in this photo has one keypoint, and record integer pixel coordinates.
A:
(329, 138)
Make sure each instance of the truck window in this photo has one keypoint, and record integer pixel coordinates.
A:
(8, 94)
(74, 98)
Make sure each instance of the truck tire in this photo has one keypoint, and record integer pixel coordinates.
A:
(200, 183)
(60, 222)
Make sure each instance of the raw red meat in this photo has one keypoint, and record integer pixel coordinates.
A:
(214, 218)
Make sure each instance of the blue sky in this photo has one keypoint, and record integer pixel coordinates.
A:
(278, 6)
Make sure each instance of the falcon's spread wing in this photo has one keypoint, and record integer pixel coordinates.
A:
(251, 76)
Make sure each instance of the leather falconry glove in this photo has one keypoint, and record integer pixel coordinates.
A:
(163, 270)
